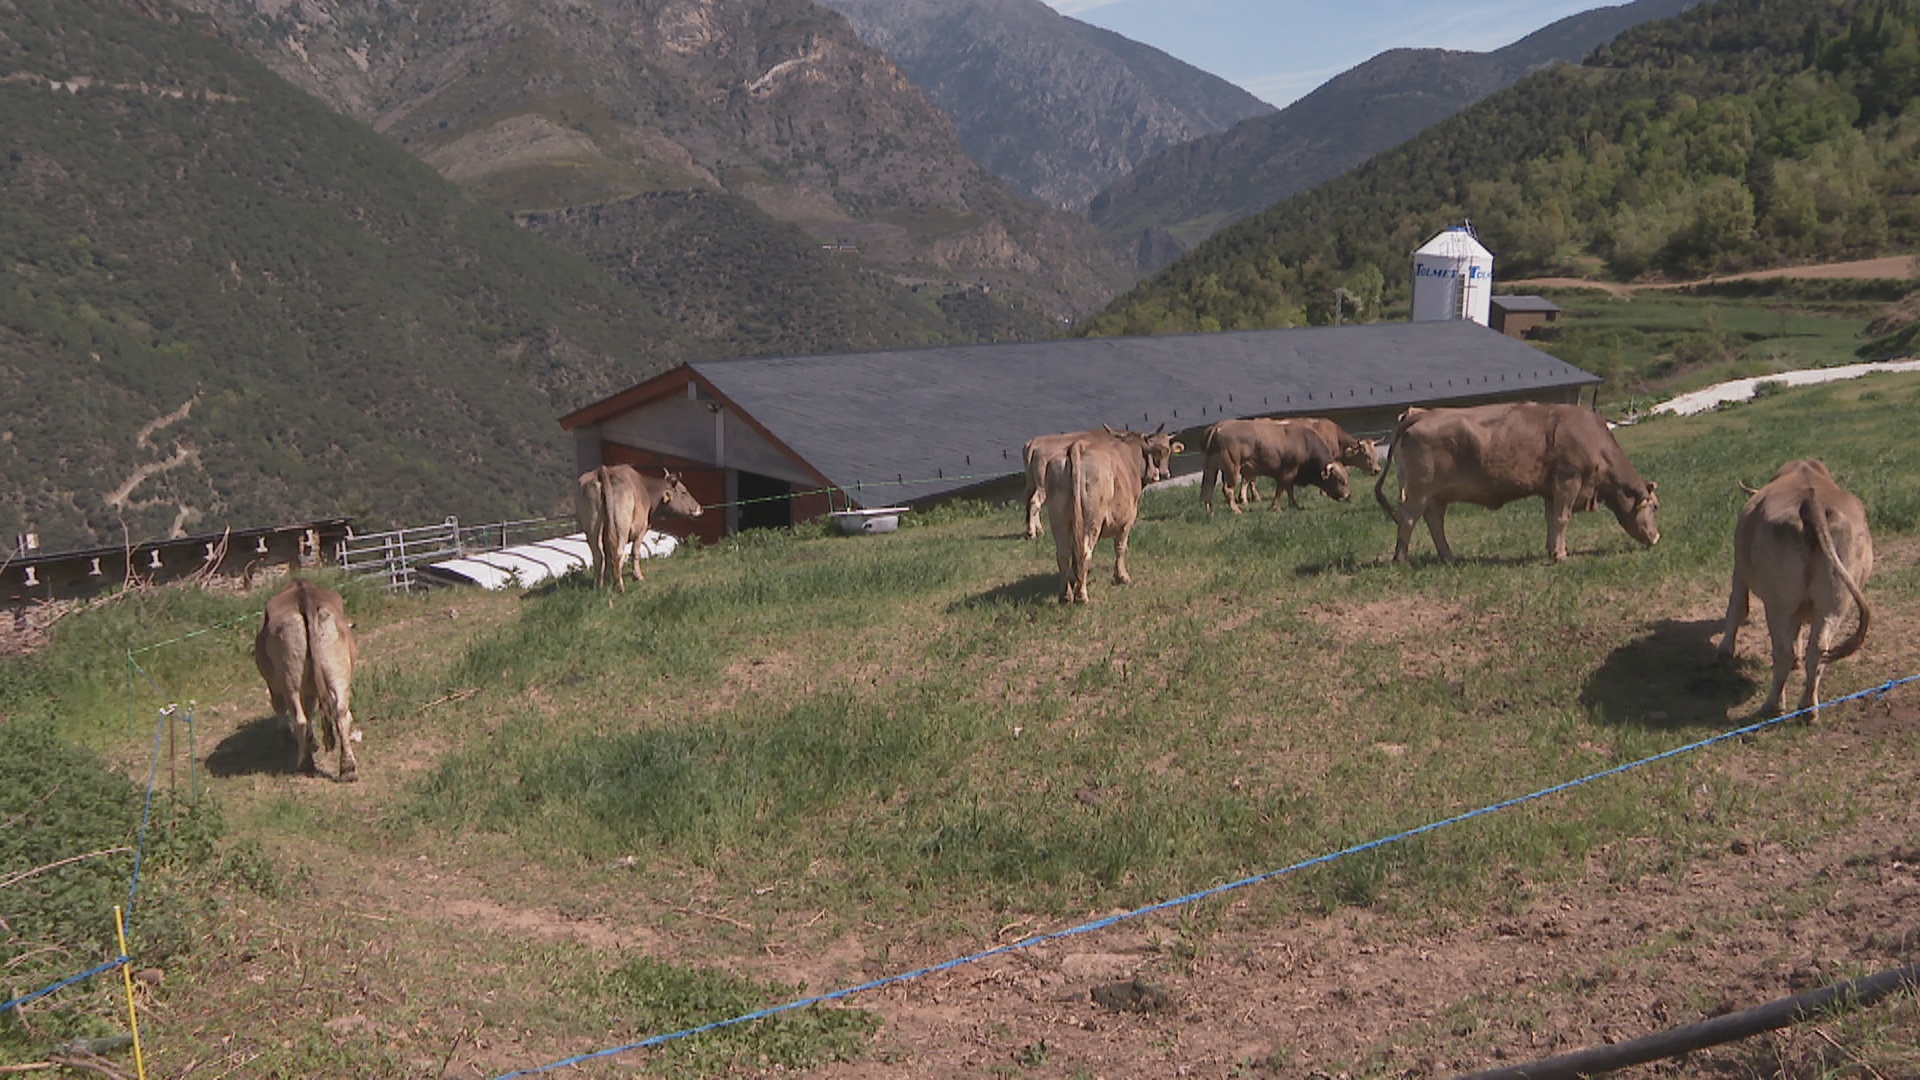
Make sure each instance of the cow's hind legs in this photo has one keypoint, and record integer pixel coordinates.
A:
(1816, 654)
(1436, 515)
(1737, 598)
(1120, 574)
(1782, 629)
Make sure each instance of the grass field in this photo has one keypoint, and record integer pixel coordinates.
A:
(792, 763)
(1653, 343)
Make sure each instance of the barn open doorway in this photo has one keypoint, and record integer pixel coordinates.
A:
(765, 503)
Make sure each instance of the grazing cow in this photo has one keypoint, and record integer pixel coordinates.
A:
(1362, 454)
(304, 651)
(1093, 492)
(1157, 448)
(614, 506)
(1491, 455)
(1802, 544)
(1290, 452)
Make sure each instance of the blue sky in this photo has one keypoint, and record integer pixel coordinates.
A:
(1281, 49)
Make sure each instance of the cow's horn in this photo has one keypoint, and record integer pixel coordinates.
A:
(1161, 428)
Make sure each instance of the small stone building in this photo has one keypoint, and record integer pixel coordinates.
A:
(1523, 316)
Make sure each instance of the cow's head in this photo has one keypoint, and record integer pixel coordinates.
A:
(1159, 449)
(678, 500)
(1156, 450)
(1636, 514)
(1333, 481)
(1362, 454)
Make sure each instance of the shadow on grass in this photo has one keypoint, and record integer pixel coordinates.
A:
(262, 746)
(1669, 677)
(1032, 589)
(1347, 564)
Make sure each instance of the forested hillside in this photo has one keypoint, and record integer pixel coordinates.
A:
(1743, 133)
(222, 303)
(1187, 192)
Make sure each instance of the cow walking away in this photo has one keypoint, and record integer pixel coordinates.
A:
(1801, 543)
(1491, 455)
(1093, 492)
(1290, 452)
(305, 652)
(615, 505)
(1354, 453)
(1157, 448)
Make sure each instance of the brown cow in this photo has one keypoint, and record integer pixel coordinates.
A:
(1093, 492)
(1491, 455)
(304, 651)
(614, 507)
(1290, 452)
(1362, 454)
(1158, 449)
(1802, 544)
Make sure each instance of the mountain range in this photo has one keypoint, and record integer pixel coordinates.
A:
(1184, 193)
(773, 112)
(275, 260)
(1058, 108)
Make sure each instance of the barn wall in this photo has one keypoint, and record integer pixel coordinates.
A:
(705, 432)
(707, 484)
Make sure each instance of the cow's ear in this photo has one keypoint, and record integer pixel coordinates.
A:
(1326, 471)
(1650, 486)
(1179, 447)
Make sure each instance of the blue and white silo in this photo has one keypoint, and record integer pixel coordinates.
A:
(1452, 277)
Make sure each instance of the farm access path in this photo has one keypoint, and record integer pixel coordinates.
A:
(1894, 268)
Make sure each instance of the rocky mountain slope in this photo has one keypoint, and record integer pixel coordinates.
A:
(1180, 196)
(775, 107)
(1056, 107)
(224, 304)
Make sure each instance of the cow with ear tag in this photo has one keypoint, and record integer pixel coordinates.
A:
(1156, 448)
(305, 652)
(1290, 452)
(1491, 455)
(615, 505)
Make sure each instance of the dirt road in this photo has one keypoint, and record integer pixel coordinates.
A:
(1894, 267)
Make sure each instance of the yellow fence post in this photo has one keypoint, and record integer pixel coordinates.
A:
(126, 973)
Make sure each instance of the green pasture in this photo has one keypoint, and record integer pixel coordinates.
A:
(1656, 343)
(911, 737)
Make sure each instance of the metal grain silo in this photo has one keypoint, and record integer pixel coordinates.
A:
(1452, 277)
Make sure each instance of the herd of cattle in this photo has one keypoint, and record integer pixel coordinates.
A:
(1800, 543)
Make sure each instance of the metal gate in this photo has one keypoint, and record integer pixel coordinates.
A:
(393, 555)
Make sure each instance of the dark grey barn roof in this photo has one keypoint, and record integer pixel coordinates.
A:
(904, 425)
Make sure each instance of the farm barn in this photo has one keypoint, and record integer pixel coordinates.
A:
(782, 440)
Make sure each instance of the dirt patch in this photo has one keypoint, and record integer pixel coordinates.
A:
(1385, 621)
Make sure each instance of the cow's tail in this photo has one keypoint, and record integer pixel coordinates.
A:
(609, 529)
(321, 632)
(1077, 515)
(1386, 468)
(1813, 517)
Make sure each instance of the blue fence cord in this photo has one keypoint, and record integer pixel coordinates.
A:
(139, 847)
(1101, 924)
